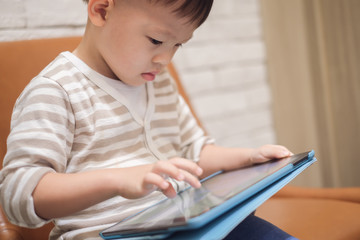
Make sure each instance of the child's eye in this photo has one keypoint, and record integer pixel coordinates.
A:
(178, 45)
(154, 41)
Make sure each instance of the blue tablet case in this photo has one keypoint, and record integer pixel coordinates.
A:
(223, 224)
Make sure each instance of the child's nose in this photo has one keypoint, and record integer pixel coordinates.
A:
(163, 58)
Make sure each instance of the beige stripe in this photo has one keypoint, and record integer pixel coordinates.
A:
(117, 126)
(113, 114)
(164, 123)
(188, 134)
(163, 94)
(71, 78)
(103, 156)
(57, 101)
(173, 136)
(42, 115)
(129, 135)
(170, 147)
(188, 119)
(165, 107)
(15, 137)
(162, 83)
(107, 99)
(28, 192)
(55, 68)
(34, 85)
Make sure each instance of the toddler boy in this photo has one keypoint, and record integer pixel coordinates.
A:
(102, 133)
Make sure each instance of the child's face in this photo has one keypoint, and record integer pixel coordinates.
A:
(139, 39)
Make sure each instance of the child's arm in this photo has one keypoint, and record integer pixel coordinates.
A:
(58, 195)
(214, 158)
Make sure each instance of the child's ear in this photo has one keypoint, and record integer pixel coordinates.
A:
(98, 11)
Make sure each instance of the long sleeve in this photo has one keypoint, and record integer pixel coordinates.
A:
(192, 135)
(40, 142)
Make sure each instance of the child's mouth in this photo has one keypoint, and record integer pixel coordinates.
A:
(150, 76)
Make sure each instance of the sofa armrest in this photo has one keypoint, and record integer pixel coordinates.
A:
(351, 194)
(8, 231)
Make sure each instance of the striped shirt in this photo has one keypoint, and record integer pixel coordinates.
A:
(69, 119)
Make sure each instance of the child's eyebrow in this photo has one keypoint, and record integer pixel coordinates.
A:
(166, 32)
(163, 31)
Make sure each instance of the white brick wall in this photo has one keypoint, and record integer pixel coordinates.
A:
(222, 67)
(223, 70)
(29, 19)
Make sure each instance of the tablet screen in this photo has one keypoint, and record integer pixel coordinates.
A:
(192, 202)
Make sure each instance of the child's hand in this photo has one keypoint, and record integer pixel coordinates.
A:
(268, 152)
(177, 168)
(149, 178)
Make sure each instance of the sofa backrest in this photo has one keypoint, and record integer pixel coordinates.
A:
(19, 62)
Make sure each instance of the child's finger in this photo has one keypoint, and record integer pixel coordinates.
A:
(192, 180)
(187, 165)
(278, 151)
(167, 168)
(189, 169)
(153, 181)
(180, 169)
(169, 192)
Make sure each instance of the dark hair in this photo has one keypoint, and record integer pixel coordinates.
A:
(197, 10)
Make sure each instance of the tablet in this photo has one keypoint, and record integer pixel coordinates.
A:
(193, 208)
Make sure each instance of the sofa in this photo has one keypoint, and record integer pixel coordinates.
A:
(306, 213)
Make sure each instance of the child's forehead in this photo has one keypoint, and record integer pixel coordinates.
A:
(156, 17)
